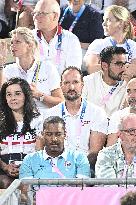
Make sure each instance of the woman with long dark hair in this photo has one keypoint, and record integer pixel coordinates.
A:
(20, 123)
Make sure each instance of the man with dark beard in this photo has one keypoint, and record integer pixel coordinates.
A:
(86, 123)
(131, 101)
(106, 88)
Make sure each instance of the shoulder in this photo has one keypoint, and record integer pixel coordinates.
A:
(131, 42)
(11, 66)
(56, 110)
(92, 10)
(98, 45)
(110, 152)
(69, 35)
(33, 156)
(76, 155)
(89, 78)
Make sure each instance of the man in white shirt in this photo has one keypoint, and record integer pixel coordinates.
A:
(56, 44)
(105, 88)
(86, 123)
(115, 118)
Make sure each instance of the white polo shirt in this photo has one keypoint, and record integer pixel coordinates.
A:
(115, 119)
(99, 44)
(95, 89)
(48, 77)
(70, 54)
(94, 119)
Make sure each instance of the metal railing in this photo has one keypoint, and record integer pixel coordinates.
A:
(11, 192)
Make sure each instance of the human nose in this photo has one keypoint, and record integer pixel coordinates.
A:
(13, 45)
(104, 23)
(13, 97)
(71, 86)
(54, 137)
(132, 94)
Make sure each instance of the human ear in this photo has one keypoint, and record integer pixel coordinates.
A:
(104, 66)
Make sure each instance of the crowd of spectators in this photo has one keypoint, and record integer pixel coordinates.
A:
(68, 102)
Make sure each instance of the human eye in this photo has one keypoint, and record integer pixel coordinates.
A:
(18, 92)
(8, 94)
(66, 82)
(48, 134)
(128, 91)
(132, 131)
(76, 82)
(59, 134)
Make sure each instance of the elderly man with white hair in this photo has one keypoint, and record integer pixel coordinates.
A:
(56, 44)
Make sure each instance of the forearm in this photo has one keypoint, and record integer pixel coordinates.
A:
(51, 101)
(92, 157)
(93, 68)
(2, 79)
(3, 166)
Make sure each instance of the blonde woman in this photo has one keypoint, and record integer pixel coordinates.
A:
(119, 32)
(42, 76)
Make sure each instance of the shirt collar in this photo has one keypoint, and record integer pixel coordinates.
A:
(77, 114)
(22, 70)
(63, 155)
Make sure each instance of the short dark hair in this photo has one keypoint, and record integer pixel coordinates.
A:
(107, 53)
(72, 68)
(129, 199)
(53, 120)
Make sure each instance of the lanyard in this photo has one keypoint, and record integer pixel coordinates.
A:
(114, 43)
(110, 93)
(76, 18)
(126, 166)
(59, 43)
(36, 72)
(56, 169)
(65, 11)
(78, 127)
(10, 139)
(58, 47)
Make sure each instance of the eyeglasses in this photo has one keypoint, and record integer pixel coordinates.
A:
(120, 64)
(40, 13)
(131, 131)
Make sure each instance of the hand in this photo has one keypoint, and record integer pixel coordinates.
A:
(3, 52)
(14, 6)
(35, 92)
(28, 8)
(12, 170)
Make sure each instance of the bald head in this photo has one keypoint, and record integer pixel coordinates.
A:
(131, 94)
(46, 16)
(49, 5)
(128, 133)
(128, 121)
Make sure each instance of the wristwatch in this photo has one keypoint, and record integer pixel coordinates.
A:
(41, 98)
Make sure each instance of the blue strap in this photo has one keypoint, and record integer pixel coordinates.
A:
(62, 18)
(76, 18)
(82, 111)
(114, 43)
(114, 87)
